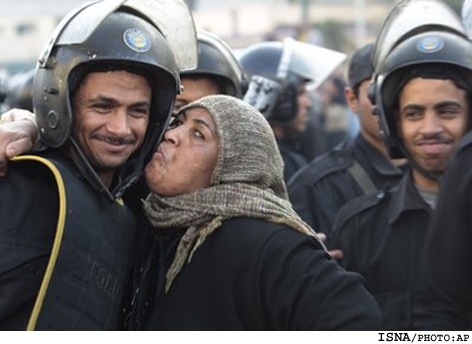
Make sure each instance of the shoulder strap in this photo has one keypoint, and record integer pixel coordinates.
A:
(361, 177)
(57, 239)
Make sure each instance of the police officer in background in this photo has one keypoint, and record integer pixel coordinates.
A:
(19, 91)
(280, 73)
(102, 96)
(218, 72)
(356, 167)
(2, 93)
(423, 88)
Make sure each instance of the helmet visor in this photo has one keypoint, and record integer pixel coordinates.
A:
(312, 62)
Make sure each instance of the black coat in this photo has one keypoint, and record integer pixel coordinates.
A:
(253, 275)
(320, 189)
(382, 237)
(293, 161)
(446, 298)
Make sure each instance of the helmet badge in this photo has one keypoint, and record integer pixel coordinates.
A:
(430, 45)
(137, 40)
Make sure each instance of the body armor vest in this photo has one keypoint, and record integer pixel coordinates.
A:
(82, 287)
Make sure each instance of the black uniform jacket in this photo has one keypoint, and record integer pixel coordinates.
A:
(293, 161)
(446, 301)
(320, 189)
(254, 275)
(382, 236)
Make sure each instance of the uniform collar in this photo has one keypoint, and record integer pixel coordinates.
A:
(406, 197)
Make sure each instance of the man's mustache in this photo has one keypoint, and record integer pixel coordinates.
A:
(115, 140)
(433, 139)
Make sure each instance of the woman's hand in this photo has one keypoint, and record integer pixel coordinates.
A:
(18, 134)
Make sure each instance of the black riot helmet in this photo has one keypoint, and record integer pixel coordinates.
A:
(433, 45)
(102, 36)
(434, 54)
(277, 69)
(217, 61)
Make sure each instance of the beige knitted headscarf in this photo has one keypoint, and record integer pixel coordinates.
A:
(247, 182)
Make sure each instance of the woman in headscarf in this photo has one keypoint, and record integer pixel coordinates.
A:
(227, 251)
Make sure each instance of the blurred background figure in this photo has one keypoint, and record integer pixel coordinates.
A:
(281, 73)
(2, 93)
(336, 119)
(18, 91)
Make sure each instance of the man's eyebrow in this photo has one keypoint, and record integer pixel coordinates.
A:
(104, 99)
(413, 106)
(447, 103)
(436, 106)
(114, 101)
(140, 104)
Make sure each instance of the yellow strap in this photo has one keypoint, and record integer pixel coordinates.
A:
(57, 240)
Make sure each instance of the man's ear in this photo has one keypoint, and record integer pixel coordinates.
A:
(351, 99)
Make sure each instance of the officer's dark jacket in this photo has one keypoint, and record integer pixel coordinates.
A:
(252, 275)
(293, 161)
(446, 298)
(86, 282)
(321, 188)
(382, 237)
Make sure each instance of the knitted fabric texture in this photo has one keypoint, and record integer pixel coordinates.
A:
(247, 182)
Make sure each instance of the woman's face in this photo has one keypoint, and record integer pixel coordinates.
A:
(186, 158)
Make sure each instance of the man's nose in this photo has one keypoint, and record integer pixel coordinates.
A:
(308, 101)
(305, 100)
(118, 123)
(431, 124)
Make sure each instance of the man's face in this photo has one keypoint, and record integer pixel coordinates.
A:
(194, 89)
(433, 116)
(111, 114)
(303, 105)
(186, 158)
(369, 123)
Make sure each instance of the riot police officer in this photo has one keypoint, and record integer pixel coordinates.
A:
(218, 72)
(356, 167)
(102, 95)
(279, 75)
(422, 88)
(445, 301)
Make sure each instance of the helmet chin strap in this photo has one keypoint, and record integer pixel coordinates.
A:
(87, 170)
